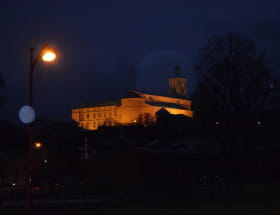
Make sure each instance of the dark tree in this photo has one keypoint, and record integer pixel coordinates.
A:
(145, 119)
(232, 80)
(1, 87)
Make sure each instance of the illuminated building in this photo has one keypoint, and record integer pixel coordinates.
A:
(135, 107)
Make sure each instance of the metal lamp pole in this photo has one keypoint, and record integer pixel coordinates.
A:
(30, 136)
(47, 54)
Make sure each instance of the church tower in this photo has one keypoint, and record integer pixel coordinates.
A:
(177, 85)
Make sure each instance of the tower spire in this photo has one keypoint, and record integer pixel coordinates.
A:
(177, 69)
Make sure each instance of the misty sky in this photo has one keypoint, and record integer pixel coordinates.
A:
(108, 47)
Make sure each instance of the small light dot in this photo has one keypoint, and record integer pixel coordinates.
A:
(217, 122)
(38, 145)
(259, 122)
(13, 184)
(45, 161)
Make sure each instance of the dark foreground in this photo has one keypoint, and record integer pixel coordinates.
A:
(154, 202)
(196, 208)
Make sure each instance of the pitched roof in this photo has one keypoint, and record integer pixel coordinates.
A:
(168, 105)
(132, 94)
(101, 103)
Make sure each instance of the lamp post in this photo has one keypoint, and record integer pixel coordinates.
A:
(46, 54)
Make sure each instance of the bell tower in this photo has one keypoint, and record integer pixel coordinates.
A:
(177, 85)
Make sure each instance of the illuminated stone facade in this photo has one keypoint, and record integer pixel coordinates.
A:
(135, 107)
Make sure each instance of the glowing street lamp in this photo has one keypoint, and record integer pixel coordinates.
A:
(46, 54)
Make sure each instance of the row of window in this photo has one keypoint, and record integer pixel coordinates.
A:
(97, 115)
(84, 110)
(95, 124)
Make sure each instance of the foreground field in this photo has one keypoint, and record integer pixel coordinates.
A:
(151, 207)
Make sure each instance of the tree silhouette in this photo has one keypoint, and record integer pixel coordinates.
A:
(145, 119)
(1, 87)
(232, 79)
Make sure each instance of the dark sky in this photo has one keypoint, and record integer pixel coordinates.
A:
(107, 47)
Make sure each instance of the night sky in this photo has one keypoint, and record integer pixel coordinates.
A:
(106, 48)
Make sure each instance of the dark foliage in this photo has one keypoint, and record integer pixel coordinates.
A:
(2, 98)
(232, 80)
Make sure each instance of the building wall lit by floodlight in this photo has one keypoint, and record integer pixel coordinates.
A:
(135, 107)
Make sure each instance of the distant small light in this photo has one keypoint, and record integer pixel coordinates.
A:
(38, 145)
(135, 121)
(13, 184)
(217, 122)
(45, 161)
(259, 122)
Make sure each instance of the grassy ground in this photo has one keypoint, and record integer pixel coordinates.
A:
(152, 202)
(152, 208)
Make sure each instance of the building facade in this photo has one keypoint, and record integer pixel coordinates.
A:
(135, 107)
